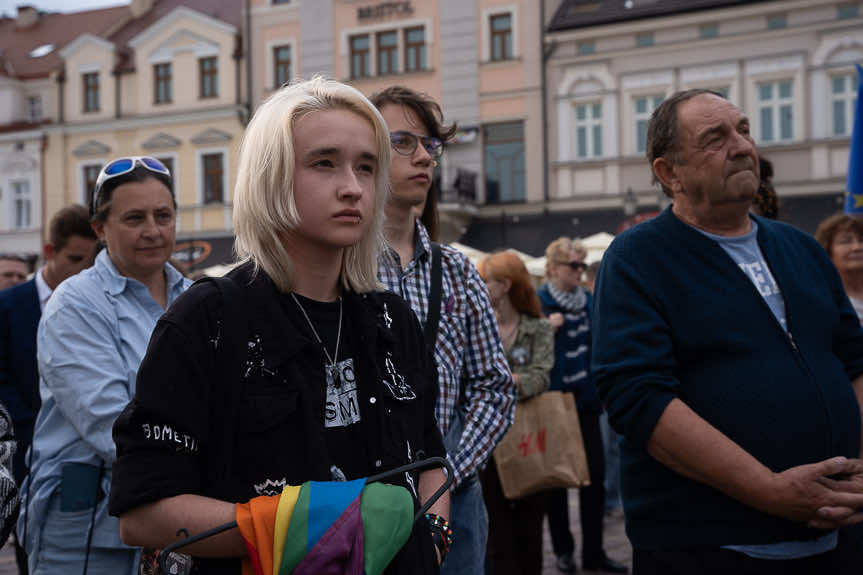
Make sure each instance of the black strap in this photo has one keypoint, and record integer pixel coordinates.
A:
(93, 515)
(435, 291)
(231, 358)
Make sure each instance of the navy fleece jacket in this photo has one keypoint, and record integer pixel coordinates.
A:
(571, 371)
(675, 317)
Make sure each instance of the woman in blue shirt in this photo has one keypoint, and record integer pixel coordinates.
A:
(92, 336)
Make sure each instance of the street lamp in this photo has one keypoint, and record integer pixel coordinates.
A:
(630, 203)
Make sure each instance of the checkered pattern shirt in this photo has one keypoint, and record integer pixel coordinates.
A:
(468, 349)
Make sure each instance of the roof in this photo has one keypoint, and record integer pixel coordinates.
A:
(229, 11)
(573, 14)
(55, 28)
(113, 24)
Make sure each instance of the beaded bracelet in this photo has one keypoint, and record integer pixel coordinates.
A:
(441, 533)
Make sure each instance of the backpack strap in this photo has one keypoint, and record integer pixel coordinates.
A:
(230, 362)
(435, 292)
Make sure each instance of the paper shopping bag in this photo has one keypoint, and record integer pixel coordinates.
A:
(543, 449)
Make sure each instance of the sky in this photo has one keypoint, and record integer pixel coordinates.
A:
(8, 7)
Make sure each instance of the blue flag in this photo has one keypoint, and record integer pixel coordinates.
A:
(854, 187)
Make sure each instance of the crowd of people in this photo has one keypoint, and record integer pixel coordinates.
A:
(715, 357)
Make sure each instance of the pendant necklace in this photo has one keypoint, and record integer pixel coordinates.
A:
(332, 360)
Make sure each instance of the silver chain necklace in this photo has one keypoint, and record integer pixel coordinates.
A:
(335, 357)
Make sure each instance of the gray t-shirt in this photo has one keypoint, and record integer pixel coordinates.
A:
(746, 253)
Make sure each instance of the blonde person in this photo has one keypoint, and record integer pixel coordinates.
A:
(515, 542)
(93, 333)
(308, 213)
(568, 306)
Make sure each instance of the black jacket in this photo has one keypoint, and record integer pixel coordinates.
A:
(167, 434)
(19, 377)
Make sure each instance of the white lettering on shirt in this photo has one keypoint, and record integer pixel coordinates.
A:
(166, 434)
(761, 277)
(342, 406)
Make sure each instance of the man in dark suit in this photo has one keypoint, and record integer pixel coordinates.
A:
(71, 248)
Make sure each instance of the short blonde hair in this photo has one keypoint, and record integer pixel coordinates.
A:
(559, 249)
(264, 206)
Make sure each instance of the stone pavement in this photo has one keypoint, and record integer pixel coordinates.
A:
(616, 544)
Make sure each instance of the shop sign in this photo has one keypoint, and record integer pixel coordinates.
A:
(384, 10)
(191, 253)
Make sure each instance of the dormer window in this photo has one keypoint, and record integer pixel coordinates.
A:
(90, 89)
(208, 70)
(162, 83)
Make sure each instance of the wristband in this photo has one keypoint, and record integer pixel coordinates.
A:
(441, 533)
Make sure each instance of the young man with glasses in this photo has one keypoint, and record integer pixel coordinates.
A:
(476, 403)
(568, 306)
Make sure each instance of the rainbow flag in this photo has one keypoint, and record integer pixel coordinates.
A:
(325, 528)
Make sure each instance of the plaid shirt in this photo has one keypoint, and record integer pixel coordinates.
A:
(468, 349)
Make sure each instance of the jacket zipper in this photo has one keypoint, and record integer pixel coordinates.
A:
(789, 337)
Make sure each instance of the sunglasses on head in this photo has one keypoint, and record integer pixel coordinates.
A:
(122, 166)
(405, 143)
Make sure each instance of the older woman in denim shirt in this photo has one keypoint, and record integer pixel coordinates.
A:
(92, 336)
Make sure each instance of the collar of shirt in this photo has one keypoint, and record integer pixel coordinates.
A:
(115, 282)
(42, 289)
(422, 247)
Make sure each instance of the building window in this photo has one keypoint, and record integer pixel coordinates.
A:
(643, 109)
(588, 130)
(281, 66)
(388, 49)
(90, 82)
(415, 49)
(162, 83)
(644, 39)
(213, 169)
(23, 204)
(722, 91)
(847, 10)
(504, 162)
(586, 48)
(360, 56)
(208, 69)
(34, 109)
(501, 37)
(775, 106)
(777, 22)
(90, 173)
(844, 98)
(708, 31)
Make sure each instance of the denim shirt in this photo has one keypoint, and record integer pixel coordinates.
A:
(92, 336)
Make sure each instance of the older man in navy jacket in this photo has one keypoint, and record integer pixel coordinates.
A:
(731, 362)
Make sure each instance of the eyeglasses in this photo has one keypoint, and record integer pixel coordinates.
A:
(123, 166)
(577, 266)
(405, 143)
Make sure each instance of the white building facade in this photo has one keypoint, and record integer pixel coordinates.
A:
(788, 64)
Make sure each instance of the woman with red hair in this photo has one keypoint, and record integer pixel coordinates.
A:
(515, 543)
